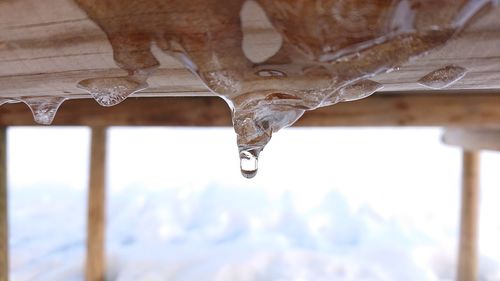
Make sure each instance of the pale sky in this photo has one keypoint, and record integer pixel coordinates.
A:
(403, 173)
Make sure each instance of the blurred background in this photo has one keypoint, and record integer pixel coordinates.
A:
(327, 204)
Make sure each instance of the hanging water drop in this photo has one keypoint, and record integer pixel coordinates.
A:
(249, 163)
(443, 77)
(112, 91)
(44, 109)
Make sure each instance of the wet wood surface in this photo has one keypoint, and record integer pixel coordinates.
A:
(45, 49)
(473, 110)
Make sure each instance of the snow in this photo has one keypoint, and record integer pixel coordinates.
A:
(327, 204)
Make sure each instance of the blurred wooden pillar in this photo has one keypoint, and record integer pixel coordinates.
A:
(472, 142)
(468, 246)
(95, 262)
(4, 231)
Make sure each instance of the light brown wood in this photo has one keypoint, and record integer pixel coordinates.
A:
(96, 260)
(453, 110)
(473, 139)
(468, 247)
(46, 48)
(479, 110)
(4, 230)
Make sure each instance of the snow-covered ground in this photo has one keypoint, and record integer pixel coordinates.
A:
(327, 204)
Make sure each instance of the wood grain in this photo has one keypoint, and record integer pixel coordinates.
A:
(96, 260)
(45, 49)
(474, 110)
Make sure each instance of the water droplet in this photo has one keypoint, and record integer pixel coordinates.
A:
(443, 77)
(249, 163)
(111, 91)
(44, 109)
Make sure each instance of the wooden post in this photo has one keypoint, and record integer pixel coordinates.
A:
(95, 263)
(4, 230)
(468, 249)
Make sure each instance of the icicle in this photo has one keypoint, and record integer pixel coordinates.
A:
(44, 109)
(112, 91)
(319, 53)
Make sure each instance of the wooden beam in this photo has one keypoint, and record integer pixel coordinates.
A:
(4, 230)
(468, 246)
(473, 139)
(95, 262)
(474, 110)
(448, 110)
(47, 48)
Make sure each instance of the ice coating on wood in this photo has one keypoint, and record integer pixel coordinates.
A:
(329, 50)
(44, 109)
(355, 91)
(6, 100)
(443, 77)
(111, 91)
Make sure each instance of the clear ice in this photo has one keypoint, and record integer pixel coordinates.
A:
(44, 109)
(443, 77)
(329, 50)
(6, 100)
(355, 91)
(113, 90)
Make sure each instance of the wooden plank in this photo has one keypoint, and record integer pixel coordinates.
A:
(95, 262)
(473, 139)
(47, 48)
(468, 247)
(4, 230)
(446, 110)
(454, 110)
